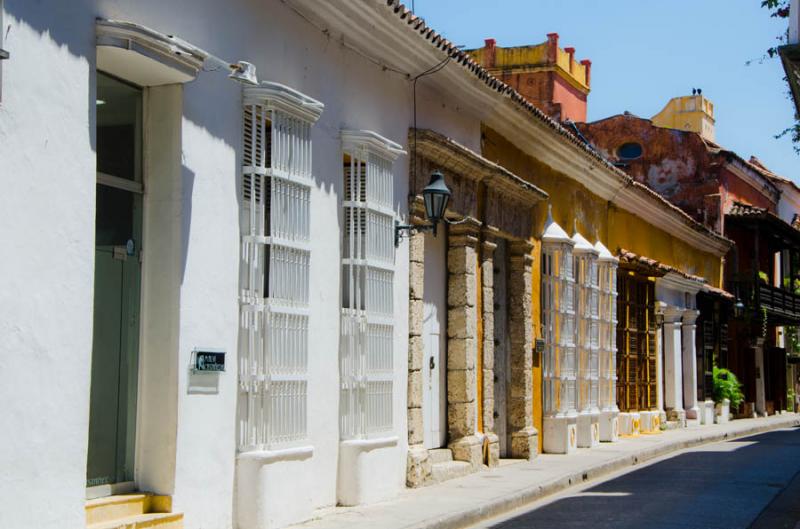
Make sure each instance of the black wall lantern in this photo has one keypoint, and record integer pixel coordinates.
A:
(436, 195)
(738, 308)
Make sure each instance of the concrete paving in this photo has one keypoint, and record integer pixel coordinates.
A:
(479, 497)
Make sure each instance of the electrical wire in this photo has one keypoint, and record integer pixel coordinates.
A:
(430, 71)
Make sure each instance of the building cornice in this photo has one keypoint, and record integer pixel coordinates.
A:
(463, 161)
(674, 281)
(372, 142)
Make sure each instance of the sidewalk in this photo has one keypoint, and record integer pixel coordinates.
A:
(461, 502)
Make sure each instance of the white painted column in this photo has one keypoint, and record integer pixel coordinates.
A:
(761, 404)
(689, 329)
(660, 306)
(673, 389)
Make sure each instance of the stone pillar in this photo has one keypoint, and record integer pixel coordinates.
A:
(689, 330)
(462, 345)
(761, 398)
(418, 467)
(487, 313)
(660, 363)
(524, 441)
(673, 369)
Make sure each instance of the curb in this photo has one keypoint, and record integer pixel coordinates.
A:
(525, 496)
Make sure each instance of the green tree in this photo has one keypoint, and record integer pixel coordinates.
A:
(780, 9)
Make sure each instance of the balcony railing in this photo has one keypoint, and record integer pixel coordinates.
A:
(781, 304)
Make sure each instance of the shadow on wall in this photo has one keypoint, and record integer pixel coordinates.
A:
(726, 488)
(66, 27)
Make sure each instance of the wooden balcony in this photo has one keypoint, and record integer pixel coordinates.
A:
(783, 306)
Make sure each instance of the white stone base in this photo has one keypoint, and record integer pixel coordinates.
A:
(273, 488)
(707, 412)
(650, 422)
(723, 412)
(629, 423)
(588, 426)
(560, 435)
(366, 469)
(609, 426)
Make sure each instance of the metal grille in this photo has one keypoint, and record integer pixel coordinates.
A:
(367, 327)
(274, 279)
(587, 336)
(558, 321)
(607, 275)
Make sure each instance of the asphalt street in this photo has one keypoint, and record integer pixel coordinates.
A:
(746, 483)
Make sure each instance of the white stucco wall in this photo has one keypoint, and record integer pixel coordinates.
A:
(47, 172)
(47, 169)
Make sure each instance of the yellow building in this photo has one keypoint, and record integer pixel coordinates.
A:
(692, 113)
(653, 240)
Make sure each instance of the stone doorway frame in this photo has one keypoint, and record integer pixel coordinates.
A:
(488, 203)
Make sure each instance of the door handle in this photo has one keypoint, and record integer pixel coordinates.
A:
(432, 363)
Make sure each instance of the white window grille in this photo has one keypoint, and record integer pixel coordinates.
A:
(586, 294)
(607, 357)
(274, 266)
(366, 359)
(558, 321)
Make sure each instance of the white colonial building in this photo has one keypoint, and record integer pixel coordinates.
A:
(203, 297)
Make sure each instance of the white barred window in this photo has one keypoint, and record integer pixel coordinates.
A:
(586, 291)
(366, 358)
(607, 275)
(558, 321)
(274, 266)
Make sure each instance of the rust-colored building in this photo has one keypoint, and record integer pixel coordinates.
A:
(545, 74)
(695, 174)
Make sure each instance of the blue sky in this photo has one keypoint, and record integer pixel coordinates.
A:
(645, 52)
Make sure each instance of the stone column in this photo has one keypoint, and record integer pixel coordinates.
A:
(660, 363)
(673, 369)
(418, 467)
(689, 330)
(761, 397)
(487, 313)
(524, 442)
(462, 345)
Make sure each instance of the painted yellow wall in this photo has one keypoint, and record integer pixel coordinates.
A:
(572, 203)
(694, 113)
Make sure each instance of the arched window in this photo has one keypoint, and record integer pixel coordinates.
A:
(629, 151)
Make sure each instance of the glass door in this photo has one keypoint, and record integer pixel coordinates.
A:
(118, 232)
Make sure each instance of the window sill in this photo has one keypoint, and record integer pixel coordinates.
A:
(370, 444)
(265, 457)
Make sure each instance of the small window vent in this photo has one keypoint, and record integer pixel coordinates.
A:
(629, 151)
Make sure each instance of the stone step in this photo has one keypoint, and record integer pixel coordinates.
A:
(154, 520)
(449, 470)
(124, 506)
(440, 455)
(671, 425)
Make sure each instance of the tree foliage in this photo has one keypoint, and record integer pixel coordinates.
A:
(780, 9)
(727, 386)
